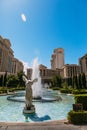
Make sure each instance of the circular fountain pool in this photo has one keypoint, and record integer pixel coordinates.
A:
(45, 111)
(47, 96)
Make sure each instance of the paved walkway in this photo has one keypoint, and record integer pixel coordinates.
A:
(54, 125)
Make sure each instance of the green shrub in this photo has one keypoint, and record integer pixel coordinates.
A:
(79, 117)
(81, 98)
(81, 91)
(64, 90)
(55, 88)
(76, 91)
(5, 89)
(1, 92)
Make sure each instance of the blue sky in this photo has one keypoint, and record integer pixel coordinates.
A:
(36, 27)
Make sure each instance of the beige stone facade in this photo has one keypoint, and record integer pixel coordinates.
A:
(7, 61)
(57, 59)
(83, 64)
(45, 73)
(70, 70)
(17, 66)
(6, 55)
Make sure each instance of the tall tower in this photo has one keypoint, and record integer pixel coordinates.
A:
(83, 64)
(57, 58)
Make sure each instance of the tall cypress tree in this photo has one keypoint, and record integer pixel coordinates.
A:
(73, 82)
(59, 81)
(80, 81)
(76, 82)
(69, 81)
(0, 81)
(5, 79)
(83, 80)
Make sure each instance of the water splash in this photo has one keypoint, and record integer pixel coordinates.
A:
(36, 87)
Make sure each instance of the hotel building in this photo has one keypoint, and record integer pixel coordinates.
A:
(57, 59)
(7, 61)
(70, 70)
(45, 73)
(83, 64)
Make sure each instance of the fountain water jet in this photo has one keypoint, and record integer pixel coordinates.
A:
(36, 87)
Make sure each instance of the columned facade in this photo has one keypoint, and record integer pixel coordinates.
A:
(17, 66)
(45, 73)
(70, 70)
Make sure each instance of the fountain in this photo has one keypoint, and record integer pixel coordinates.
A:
(39, 92)
(35, 89)
(48, 107)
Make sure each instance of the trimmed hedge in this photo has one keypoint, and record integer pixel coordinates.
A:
(64, 90)
(55, 88)
(4, 89)
(81, 98)
(73, 91)
(77, 118)
(81, 91)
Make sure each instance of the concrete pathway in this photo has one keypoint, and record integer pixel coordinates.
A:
(53, 125)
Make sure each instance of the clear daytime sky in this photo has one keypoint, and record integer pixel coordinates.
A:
(36, 27)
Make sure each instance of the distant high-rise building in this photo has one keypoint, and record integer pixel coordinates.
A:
(57, 58)
(83, 64)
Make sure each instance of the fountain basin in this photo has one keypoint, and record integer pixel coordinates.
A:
(12, 111)
(47, 97)
(50, 99)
